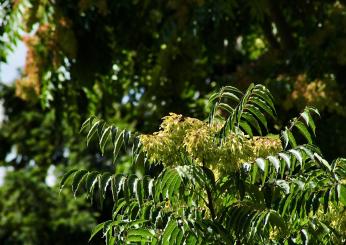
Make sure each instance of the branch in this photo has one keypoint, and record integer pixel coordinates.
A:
(210, 204)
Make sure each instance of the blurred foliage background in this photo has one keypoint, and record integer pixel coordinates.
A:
(132, 62)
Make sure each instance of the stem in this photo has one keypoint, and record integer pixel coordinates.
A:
(210, 204)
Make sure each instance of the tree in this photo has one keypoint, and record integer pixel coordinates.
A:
(158, 57)
(49, 219)
(132, 62)
(219, 181)
(31, 211)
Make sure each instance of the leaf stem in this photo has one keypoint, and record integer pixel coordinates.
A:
(210, 203)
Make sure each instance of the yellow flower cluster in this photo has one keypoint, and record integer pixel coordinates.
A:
(191, 137)
(320, 93)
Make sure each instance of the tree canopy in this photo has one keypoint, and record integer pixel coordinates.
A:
(131, 63)
(220, 184)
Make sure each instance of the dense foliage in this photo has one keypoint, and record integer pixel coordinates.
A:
(133, 62)
(46, 218)
(220, 184)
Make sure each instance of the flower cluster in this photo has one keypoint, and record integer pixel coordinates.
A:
(320, 93)
(183, 136)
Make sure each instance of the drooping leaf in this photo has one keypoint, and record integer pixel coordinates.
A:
(256, 112)
(252, 120)
(97, 229)
(302, 128)
(262, 105)
(343, 194)
(297, 155)
(93, 130)
(118, 144)
(104, 138)
(264, 93)
(139, 235)
(276, 163)
(284, 136)
(246, 127)
(65, 177)
(171, 225)
(90, 181)
(87, 123)
(77, 179)
(309, 120)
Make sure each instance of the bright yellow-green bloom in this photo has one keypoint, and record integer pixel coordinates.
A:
(196, 139)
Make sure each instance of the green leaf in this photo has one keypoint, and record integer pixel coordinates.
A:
(100, 128)
(212, 113)
(297, 155)
(139, 162)
(90, 181)
(291, 138)
(263, 93)
(92, 131)
(122, 202)
(114, 132)
(256, 112)
(77, 179)
(342, 194)
(166, 178)
(174, 234)
(316, 201)
(141, 234)
(117, 145)
(307, 151)
(225, 107)
(262, 104)
(325, 201)
(139, 191)
(232, 89)
(114, 187)
(337, 193)
(243, 102)
(284, 136)
(246, 127)
(65, 177)
(309, 108)
(276, 163)
(254, 173)
(323, 162)
(97, 230)
(214, 96)
(180, 237)
(110, 239)
(252, 120)
(302, 128)
(87, 123)
(126, 138)
(283, 185)
(104, 138)
(261, 163)
(230, 96)
(173, 185)
(287, 203)
(309, 120)
(171, 225)
(305, 237)
(104, 181)
(286, 158)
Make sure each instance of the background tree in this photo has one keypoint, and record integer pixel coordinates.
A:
(133, 62)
